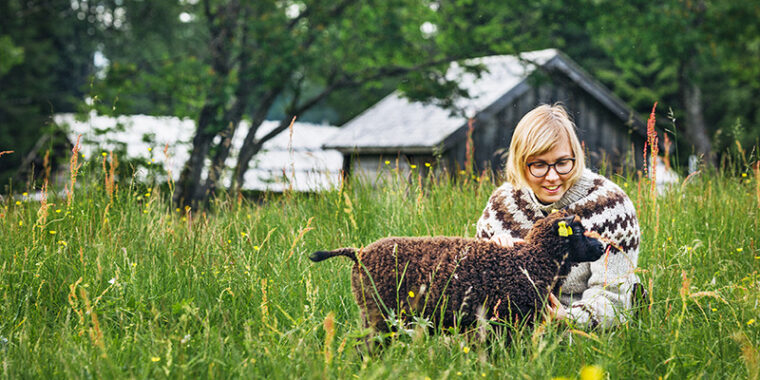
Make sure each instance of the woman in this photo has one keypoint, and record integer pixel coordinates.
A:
(546, 170)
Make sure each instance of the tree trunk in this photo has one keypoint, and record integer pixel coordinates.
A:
(247, 150)
(221, 24)
(187, 189)
(234, 115)
(696, 128)
(695, 123)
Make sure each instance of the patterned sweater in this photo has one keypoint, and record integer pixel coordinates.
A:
(597, 293)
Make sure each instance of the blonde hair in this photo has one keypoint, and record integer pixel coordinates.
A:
(538, 132)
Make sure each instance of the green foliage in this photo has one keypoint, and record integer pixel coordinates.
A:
(177, 57)
(57, 43)
(131, 287)
(10, 54)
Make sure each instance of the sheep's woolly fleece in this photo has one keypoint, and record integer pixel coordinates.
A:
(447, 279)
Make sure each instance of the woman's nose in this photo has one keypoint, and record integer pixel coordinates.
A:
(552, 174)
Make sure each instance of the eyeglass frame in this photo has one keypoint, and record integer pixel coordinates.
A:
(549, 166)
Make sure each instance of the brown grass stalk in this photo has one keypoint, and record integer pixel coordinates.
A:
(653, 142)
(46, 165)
(291, 155)
(73, 170)
(167, 161)
(750, 355)
(110, 184)
(329, 326)
(42, 213)
(301, 233)
(469, 158)
(757, 182)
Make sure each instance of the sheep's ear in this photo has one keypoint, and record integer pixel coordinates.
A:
(564, 228)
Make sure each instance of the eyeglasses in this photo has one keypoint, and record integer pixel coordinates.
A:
(540, 169)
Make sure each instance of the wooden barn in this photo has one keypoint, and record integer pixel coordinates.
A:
(417, 133)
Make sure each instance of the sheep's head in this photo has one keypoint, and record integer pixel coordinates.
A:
(564, 234)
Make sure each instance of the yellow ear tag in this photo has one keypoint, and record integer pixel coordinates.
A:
(554, 210)
(564, 230)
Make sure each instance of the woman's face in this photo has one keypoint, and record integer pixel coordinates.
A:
(552, 186)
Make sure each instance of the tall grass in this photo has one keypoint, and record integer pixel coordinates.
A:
(119, 283)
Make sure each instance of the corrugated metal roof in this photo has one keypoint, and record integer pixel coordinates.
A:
(286, 161)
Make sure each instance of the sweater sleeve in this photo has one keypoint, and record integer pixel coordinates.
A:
(503, 215)
(608, 297)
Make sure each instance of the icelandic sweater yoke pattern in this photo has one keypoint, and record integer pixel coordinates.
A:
(596, 293)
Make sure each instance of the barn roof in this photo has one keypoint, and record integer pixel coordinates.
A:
(283, 158)
(396, 123)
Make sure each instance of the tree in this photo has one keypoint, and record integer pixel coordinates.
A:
(264, 51)
(671, 45)
(46, 50)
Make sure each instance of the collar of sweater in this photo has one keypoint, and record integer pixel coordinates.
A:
(579, 190)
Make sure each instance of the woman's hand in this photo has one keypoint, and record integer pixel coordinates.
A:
(505, 240)
(554, 309)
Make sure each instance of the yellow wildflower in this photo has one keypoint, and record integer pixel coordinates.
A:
(25, 194)
(411, 294)
(52, 232)
(256, 248)
(414, 166)
(57, 211)
(103, 154)
(744, 175)
(751, 321)
(739, 249)
(466, 349)
(20, 222)
(150, 149)
(592, 372)
(63, 243)
(155, 359)
(427, 164)
(387, 162)
(18, 203)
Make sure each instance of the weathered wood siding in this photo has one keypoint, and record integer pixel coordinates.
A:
(608, 140)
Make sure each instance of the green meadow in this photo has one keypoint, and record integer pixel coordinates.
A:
(113, 281)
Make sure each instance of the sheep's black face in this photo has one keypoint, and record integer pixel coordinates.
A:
(581, 248)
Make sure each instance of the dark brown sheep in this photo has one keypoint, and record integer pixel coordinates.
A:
(447, 279)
